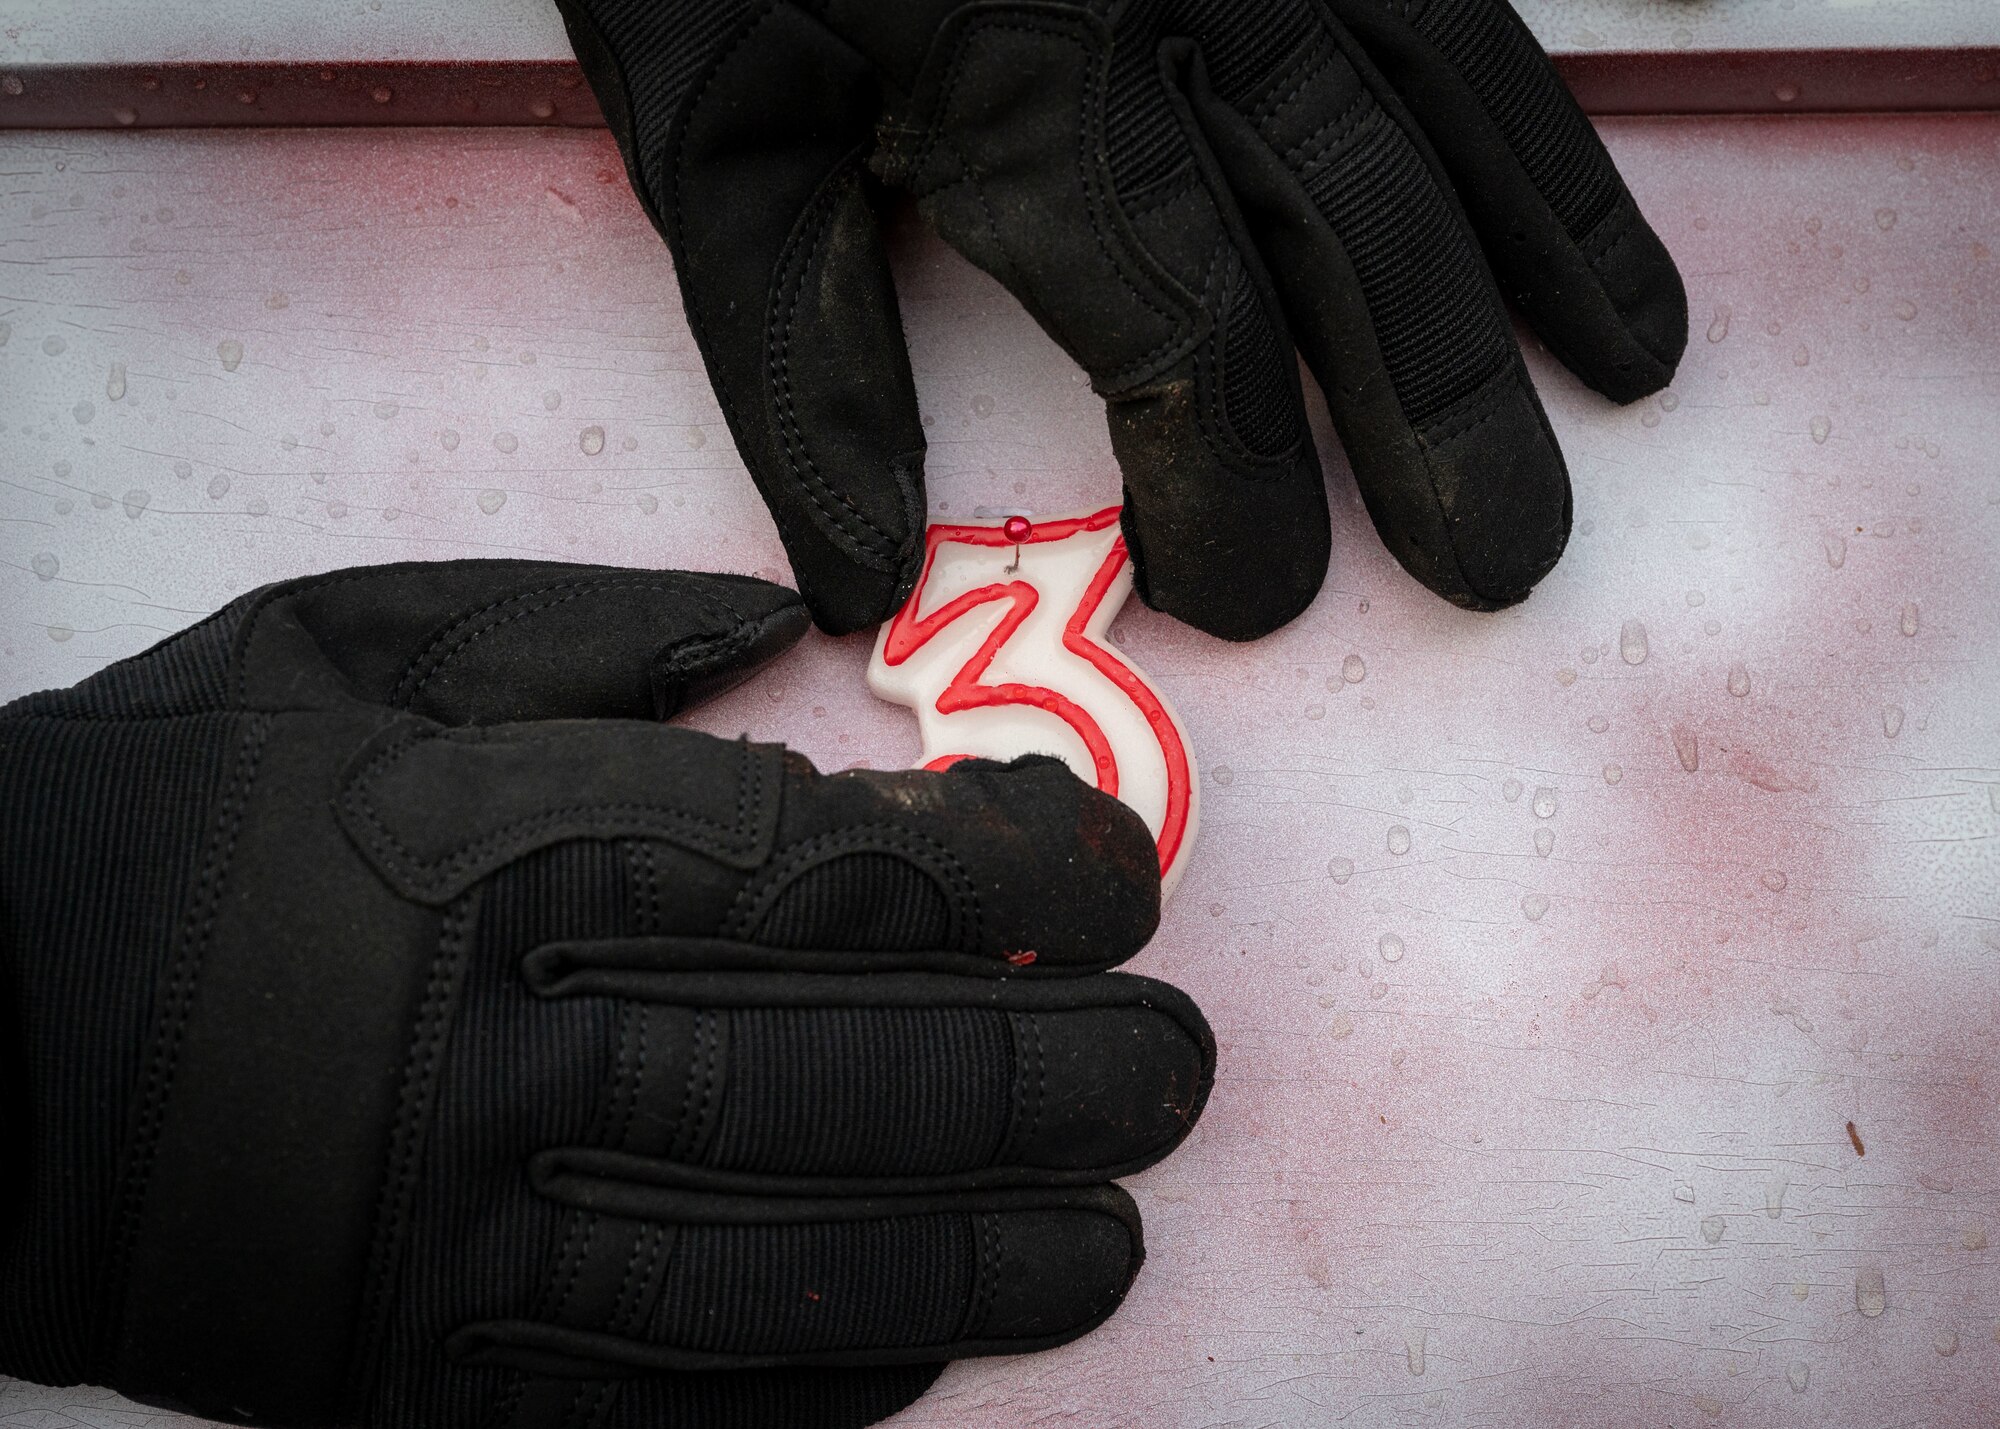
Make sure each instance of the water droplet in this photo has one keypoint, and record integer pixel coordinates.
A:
(1785, 93)
(1598, 724)
(492, 499)
(1798, 1374)
(1946, 1343)
(1973, 1238)
(1885, 219)
(1391, 948)
(83, 412)
(982, 405)
(6, 332)
(1906, 310)
(218, 487)
(1774, 1197)
(1545, 840)
(1315, 710)
(1342, 869)
(277, 302)
(1836, 549)
(1687, 748)
(1510, 789)
(114, 385)
(136, 501)
(1801, 356)
(387, 410)
(1565, 677)
(591, 440)
(1892, 720)
(258, 506)
(1822, 428)
(61, 633)
(1353, 670)
(1774, 879)
(543, 109)
(183, 469)
(1712, 1229)
(448, 439)
(336, 509)
(1739, 680)
(45, 565)
(231, 353)
(1871, 1296)
(12, 86)
(1909, 621)
(1718, 328)
(381, 94)
(506, 443)
(1670, 401)
(1399, 840)
(54, 346)
(1544, 803)
(1632, 643)
(101, 500)
(1534, 906)
(1684, 1192)
(551, 400)
(1413, 1350)
(1613, 773)
(1341, 1028)
(1649, 418)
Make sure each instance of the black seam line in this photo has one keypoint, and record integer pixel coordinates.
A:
(697, 94)
(1308, 62)
(357, 800)
(670, 969)
(177, 1000)
(562, 593)
(878, 548)
(568, 1175)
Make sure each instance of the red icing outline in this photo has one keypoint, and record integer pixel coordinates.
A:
(908, 633)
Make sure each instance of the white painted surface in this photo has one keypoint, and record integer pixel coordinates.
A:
(144, 31)
(1579, 1155)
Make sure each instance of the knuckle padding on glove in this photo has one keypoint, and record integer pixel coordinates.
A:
(435, 810)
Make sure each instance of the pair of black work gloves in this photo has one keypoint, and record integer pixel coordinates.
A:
(401, 1025)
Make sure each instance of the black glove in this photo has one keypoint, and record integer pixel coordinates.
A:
(1177, 190)
(416, 1034)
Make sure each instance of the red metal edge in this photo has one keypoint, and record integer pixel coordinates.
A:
(530, 92)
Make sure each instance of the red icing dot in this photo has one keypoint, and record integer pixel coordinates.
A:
(1017, 528)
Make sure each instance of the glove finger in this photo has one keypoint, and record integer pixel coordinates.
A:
(1133, 259)
(827, 1282)
(1559, 226)
(1397, 315)
(757, 180)
(1022, 863)
(487, 642)
(890, 1084)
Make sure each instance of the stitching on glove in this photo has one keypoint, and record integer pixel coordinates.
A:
(575, 1270)
(1612, 230)
(357, 801)
(461, 634)
(814, 223)
(754, 899)
(1101, 201)
(178, 993)
(1318, 147)
(702, 1126)
(1313, 59)
(248, 636)
(1478, 409)
(420, 1068)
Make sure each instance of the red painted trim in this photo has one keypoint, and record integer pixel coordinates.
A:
(908, 633)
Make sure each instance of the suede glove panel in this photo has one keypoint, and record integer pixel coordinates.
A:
(416, 1032)
(1179, 191)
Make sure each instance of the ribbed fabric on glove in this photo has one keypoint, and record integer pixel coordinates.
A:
(406, 1029)
(1179, 191)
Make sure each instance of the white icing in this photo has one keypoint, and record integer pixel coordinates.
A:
(994, 714)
